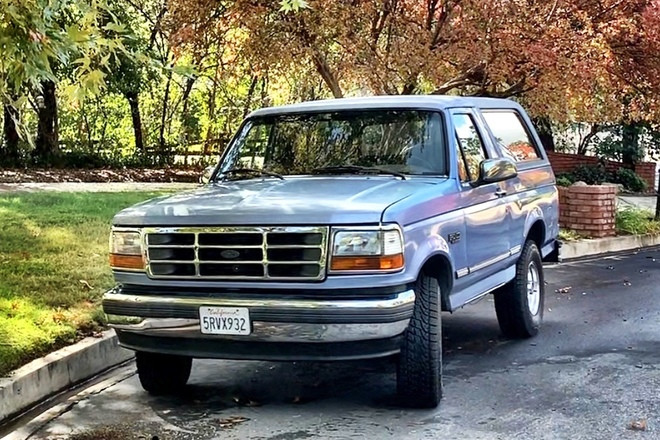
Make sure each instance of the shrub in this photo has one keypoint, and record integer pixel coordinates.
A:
(565, 179)
(597, 175)
(591, 174)
(80, 159)
(630, 180)
(566, 235)
(636, 221)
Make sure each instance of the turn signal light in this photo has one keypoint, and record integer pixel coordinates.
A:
(118, 261)
(383, 262)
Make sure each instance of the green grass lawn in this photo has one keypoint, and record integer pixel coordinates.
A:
(53, 269)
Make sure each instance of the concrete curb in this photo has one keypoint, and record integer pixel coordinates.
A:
(57, 371)
(589, 247)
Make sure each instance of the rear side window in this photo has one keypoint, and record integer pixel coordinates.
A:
(511, 135)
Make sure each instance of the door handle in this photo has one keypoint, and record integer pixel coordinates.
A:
(500, 193)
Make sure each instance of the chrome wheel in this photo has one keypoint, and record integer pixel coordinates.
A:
(533, 289)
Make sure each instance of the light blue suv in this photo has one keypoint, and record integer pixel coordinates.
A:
(336, 230)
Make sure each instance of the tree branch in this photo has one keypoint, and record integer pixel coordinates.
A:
(464, 79)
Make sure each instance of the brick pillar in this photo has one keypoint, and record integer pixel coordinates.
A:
(589, 210)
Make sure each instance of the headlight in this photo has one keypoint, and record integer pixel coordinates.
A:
(126, 250)
(367, 250)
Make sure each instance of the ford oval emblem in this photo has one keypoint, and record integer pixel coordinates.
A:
(230, 254)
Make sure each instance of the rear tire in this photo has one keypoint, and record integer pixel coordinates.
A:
(162, 373)
(519, 304)
(419, 370)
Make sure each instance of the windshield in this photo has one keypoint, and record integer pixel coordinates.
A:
(400, 141)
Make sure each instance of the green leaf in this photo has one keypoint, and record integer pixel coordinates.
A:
(184, 70)
(93, 82)
(287, 6)
(76, 34)
(115, 27)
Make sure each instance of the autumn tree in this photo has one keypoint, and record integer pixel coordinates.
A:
(564, 59)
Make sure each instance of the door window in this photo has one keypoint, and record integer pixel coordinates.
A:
(471, 149)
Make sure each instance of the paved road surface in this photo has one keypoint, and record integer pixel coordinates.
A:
(593, 370)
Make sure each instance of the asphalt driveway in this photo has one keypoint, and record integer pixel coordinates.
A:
(592, 373)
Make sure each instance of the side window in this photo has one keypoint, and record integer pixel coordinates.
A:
(511, 135)
(471, 148)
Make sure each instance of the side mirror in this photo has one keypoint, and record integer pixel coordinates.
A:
(205, 178)
(496, 170)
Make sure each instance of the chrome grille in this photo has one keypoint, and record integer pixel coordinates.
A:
(233, 253)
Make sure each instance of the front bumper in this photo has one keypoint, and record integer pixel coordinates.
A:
(282, 328)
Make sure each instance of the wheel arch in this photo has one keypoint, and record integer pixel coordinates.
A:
(537, 233)
(439, 266)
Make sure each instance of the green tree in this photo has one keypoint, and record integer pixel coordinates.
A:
(132, 69)
(37, 39)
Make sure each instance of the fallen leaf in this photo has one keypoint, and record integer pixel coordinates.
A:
(244, 401)
(638, 425)
(232, 421)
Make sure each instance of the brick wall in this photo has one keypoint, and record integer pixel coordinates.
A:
(565, 163)
(588, 210)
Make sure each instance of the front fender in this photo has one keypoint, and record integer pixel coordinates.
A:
(418, 253)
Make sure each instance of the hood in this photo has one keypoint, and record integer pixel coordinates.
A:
(294, 201)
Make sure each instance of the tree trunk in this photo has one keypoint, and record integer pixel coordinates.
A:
(657, 202)
(630, 139)
(327, 74)
(211, 111)
(544, 129)
(9, 152)
(163, 118)
(47, 144)
(136, 117)
(185, 122)
(583, 146)
(250, 94)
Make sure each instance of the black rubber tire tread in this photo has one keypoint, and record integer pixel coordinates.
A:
(513, 315)
(419, 370)
(162, 374)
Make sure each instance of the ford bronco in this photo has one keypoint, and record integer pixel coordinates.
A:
(337, 230)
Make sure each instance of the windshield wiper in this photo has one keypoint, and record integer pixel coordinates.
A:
(251, 171)
(354, 169)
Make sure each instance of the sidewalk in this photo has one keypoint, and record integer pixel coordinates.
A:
(641, 202)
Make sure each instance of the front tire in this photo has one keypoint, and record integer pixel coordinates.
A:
(519, 304)
(419, 370)
(162, 373)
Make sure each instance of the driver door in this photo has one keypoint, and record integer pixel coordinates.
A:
(485, 211)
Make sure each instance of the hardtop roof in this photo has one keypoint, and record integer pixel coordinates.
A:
(420, 102)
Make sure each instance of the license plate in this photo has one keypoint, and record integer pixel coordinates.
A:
(224, 320)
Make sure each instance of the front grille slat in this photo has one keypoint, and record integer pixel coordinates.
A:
(240, 253)
(169, 254)
(231, 254)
